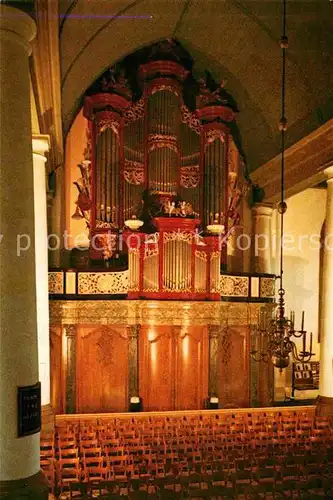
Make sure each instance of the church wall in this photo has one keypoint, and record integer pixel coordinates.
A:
(303, 224)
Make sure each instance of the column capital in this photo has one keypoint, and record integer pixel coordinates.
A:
(329, 173)
(40, 145)
(262, 209)
(70, 330)
(214, 331)
(17, 26)
(133, 331)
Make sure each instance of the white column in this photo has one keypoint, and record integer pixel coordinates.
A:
(262, 239)
(19, 457)
(325, 399)
(40, 145)
(261, 262)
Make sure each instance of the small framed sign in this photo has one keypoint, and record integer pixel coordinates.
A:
(29, 409)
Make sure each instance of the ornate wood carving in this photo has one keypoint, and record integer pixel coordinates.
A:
(213, 332)
(70, 333)
(105, 346)
(133, 360)
(102, 364)
(233, 355)
(150, 312)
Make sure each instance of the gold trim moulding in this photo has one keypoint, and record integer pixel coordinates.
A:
(150, 312)
(62, 420)
(115, 283)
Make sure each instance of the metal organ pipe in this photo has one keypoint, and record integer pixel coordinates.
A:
(163, 134)
(107, 176)
(214, 171)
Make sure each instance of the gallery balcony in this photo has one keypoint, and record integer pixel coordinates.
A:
(106, 284)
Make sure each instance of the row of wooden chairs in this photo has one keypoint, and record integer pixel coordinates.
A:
(133, 429)
(206, 486)
(209, 418)
(65, 471)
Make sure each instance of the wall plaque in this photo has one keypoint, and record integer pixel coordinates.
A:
(29, 409)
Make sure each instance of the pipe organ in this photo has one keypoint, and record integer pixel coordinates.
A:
(163, 153)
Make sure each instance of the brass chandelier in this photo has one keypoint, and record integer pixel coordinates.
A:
(272, 338)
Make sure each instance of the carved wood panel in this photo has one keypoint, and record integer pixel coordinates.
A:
(102, 369)
(173, 367)
(156, 360)
(191, 369)
(233, 364)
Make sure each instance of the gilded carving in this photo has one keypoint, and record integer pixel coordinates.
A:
(149, 312)
(213, 333)
(105, 346)
(190, 119)
(134, 172)
(135, 111)
(177, 236)
(267, 287)
(225, 345)
(234, 286)
(56, 282)
(133, 332)
(214, 134)
(190, 176)
(70, 330)
(103, 283)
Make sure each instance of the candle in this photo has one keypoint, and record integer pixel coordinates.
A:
(304, 342)
(302, 327)
(311, 342)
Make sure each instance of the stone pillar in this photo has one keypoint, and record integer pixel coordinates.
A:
(213, 333)
(40, 145)
(235, 252)
(325, 398)
(70, 334)
(262, 239)
(133, 360)
(261, 262)
(20, 475)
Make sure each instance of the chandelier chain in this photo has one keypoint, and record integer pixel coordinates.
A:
(274, 338)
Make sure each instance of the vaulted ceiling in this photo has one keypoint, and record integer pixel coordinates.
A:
(236, 41)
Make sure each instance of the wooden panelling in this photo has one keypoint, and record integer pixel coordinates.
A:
(192, 368)
(156, 368)
(56, 369)
(173, 367)
(102, 369)
(233, 383)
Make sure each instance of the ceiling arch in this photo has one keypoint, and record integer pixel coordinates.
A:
(235, 40)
